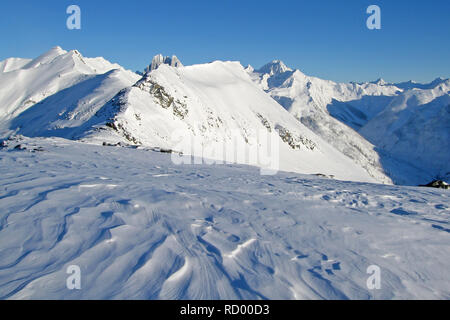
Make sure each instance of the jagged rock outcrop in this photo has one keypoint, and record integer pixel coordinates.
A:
(437, 184)
(160, 59)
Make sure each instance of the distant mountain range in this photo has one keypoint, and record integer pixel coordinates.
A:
(400, 130)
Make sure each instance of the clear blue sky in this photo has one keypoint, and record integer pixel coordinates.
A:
(328, 39)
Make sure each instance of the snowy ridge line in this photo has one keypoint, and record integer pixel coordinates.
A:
(323, 127)
(215, 106)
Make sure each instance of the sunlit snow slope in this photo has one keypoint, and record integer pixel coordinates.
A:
(394, 131)
(416, 128)
(216, 105)
(63, 94)
(309, 99)
(140, 227)
(58, 91)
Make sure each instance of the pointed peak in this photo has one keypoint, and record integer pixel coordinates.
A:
(249, 68)
(438, 80)
(76, 52)
(55, 51)
(273, 68)
(46, 57)
(380, 82)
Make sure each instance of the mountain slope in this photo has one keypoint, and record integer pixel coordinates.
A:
(415, 85)
(394, 131)
(216, 105)
(68, 112)
(310, 99)
(13, 64)
(218, 111)
(416, 128)
(57, 85)
(212, 111)
(214, 108)
(300, 94)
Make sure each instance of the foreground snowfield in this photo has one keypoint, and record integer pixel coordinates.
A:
(141, 227)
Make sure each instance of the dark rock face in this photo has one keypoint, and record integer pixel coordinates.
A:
(437, 184)
(19, 147)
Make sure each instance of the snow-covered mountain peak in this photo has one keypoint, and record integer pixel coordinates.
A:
(380, 82)
(59, 81)
(275, 67)
(334, 111)
(62, 93)
(62, 60)
(439, 80)
(311, 100)
(46, 57)
(217, 106)
(409, 85)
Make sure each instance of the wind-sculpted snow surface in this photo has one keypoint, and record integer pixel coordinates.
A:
(140, 227)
